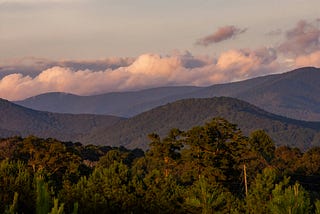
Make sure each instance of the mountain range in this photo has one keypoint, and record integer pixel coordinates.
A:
(185, 114)
(132, 132)
(18, 120)
(136, 114)
(293, 94)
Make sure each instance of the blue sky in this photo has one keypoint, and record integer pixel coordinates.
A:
(52, 45)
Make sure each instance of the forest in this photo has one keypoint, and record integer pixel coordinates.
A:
(212, 168)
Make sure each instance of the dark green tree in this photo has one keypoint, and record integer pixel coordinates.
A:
(43, 196)
(15, 178)
(207, 198)
(216, 151)
(260, 192)
(164, 154)
(261, 143)
(292, 199)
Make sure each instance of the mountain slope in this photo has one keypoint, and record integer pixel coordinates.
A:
(18, 120)
(124, 104)
(185, 114)
(294, 94)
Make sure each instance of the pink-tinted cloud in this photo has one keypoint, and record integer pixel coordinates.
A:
(223, 33)
(245, 63)
(304, 38)
(312, 59)
(148, 70)
(33, 66)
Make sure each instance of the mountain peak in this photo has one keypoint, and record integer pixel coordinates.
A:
(184, 114)
(293, 94)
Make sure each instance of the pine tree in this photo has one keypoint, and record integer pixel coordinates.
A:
(56, 209)
(43, 197)
(12, 209)
(290, 200)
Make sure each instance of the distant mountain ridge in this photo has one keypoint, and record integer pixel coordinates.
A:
(123, 104)
(18, 120)
(132, 132)
(185, 114)
(294, 94)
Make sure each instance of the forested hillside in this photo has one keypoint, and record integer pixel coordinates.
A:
(132, 132)
(185, 114)
(211, 168)
(18, 120)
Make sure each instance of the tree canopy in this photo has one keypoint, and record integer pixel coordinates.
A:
(205, 169)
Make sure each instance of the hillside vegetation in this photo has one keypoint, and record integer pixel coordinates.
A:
(211, 168)
(132, 132)
(18, 120)
(185, 114)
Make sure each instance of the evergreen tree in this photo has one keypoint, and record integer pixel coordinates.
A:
(43, 196)
(260, 192)
(57, 209)
(210, 199)
(292, 200)
(15, 178)
(262, 144)
(215, 151)
(12, 209)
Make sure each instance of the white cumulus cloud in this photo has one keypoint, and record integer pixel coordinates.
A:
(147, 70)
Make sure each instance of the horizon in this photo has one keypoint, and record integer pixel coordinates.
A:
(92, 47)
(150, 88)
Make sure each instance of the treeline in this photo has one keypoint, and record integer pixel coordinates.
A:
(212, 168)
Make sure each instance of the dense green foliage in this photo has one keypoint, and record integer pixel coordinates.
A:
(200, 170)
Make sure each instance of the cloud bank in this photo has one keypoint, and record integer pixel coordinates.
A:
(223, 33)
(312, 59)
(301, 44)
(304, 38)
(148, 70)
(27, 77)
(33, 66)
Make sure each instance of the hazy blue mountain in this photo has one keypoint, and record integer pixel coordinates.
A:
(18, 120)
(294, 94)
(123, 104)
(184, 114)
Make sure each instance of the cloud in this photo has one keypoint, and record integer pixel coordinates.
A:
(312, 59)
(304, 38)
(96, 65)
(223, 33)
(26, 77)
(147, 70)
(246, 63)
(33, 66)
(301, 46)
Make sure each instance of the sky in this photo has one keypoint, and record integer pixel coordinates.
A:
(97, 46)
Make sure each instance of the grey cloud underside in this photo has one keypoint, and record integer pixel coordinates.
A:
(34, 66)
(304, 38)
(223, 33)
